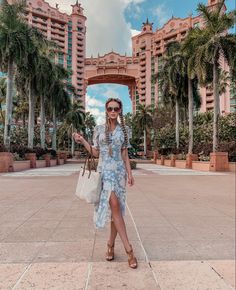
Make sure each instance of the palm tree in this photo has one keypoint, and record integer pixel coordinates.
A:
(12, 50)
(3, 89)
(172, 82)
(209, 44)
(44, 83)
(89, 124)
(75, 118)
(128, 119)
(21, 109)
(143, 119)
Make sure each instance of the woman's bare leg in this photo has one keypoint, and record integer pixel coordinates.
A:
(118, 220)
(113, 233)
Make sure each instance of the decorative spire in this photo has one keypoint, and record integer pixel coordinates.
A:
(147, 23)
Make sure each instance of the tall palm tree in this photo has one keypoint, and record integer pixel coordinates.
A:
(143, 119)
(58, 97)
(3, 90)
(209, 44)
(29, 76)
(173, 82)
(12, 49)
(45, 79)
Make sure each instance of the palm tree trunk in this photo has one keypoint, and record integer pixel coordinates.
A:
(23, 119)
(9, 95)
(54, 135)
(31, 118)
(1, 113)
(216, 106)
(42, 121)
(72, 143)
(177, 123)
(145, 141)
(190, 115)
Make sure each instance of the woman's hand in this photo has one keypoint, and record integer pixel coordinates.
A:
(78, 137)
(130, 180)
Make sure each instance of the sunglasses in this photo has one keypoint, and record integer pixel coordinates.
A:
(115, 109)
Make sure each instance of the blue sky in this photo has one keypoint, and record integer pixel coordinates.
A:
(110, 25)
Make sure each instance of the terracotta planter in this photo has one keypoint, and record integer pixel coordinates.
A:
(40, 163)
(162, 159)
(167, 162)
(62, 155)
(53, 162)
(189, 159)
(32, 158)
(155, 155)
(47, 158)
(180, 163)
(201, 165)
(21, 165)
(6, 162)
(158, 161)
(219, 161)
(172, 160)
(232, 166)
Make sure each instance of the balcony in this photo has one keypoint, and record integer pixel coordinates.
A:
(143, 44)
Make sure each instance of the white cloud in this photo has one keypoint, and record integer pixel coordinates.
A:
(98, 114)
(96, 108)
(92, 102)
(107, 28)
(134, 32)
(161, 11)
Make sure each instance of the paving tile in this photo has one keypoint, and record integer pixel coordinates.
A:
(10, 273)
(191, 275)
(214, 249)
(103, 277)
(226, 269)
(18, 252)
(169, 250)
(65, 251)
(59, 276)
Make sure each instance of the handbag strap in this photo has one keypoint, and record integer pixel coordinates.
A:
(90, 161)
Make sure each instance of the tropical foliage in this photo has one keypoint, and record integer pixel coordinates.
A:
(35, 92)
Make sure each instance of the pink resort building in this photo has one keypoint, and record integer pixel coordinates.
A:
(136, 71)
(149, 47)
(68, 31)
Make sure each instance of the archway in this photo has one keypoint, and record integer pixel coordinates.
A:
(112, 68)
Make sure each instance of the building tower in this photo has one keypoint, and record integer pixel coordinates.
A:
(69, 33)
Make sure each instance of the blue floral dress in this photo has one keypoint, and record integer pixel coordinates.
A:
(113, 172)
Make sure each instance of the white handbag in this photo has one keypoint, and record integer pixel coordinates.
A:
(89, 183)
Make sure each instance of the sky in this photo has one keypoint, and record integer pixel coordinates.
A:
(110, 25)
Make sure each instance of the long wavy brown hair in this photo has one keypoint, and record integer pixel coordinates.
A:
(122, 123)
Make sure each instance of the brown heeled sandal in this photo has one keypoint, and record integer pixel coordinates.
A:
(132, 261)
(110, 252)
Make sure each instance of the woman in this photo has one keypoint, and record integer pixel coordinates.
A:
(110, 143)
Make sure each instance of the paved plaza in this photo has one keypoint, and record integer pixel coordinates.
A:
(180, 222)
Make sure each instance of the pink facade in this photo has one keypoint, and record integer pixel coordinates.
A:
(149, 47)
(137, 71)
(68, 31)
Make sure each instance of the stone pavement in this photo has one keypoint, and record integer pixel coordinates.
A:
(180, 222)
